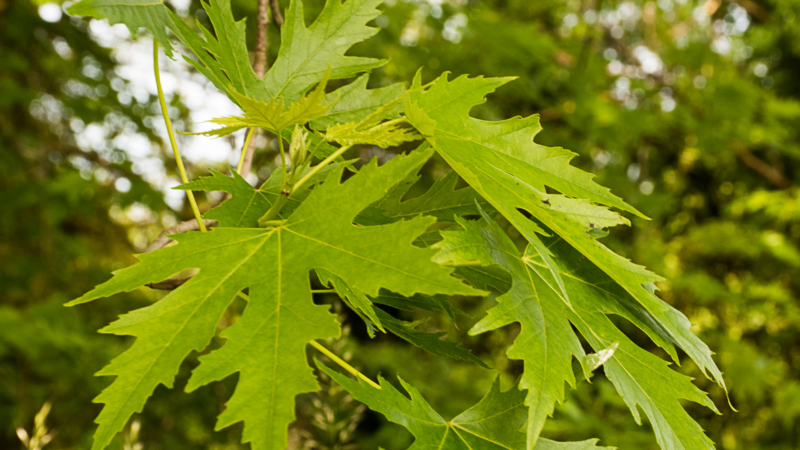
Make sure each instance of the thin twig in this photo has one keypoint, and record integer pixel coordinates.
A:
(171, 132)
(276, 13)
(343, 363)
(772, 174)
(262, 39)
(260, 67)
(163, 238)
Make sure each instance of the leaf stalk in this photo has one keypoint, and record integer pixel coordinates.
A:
(343, 364)
(320, 166)
(173, 142)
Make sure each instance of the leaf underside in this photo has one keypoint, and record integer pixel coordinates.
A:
(547, 342)
(492, 424)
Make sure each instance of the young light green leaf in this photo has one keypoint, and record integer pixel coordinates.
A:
(355, 102)
(492, 424)
(384, 135)
(298, 150)
(419, 118)
(501, 161)
(547, 344)
(272, 116)
(274, 264)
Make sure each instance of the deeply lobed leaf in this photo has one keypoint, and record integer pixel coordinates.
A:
(492, 424)
(274, 265)
(547, 343)
(501, 161)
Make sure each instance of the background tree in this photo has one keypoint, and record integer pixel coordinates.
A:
(685, 109)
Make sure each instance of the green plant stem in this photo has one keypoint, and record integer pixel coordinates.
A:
(343, 364)
(321, 165)
(171, 132)
(244, 149)
(393, 121)
(273, 223)
(316, 147)
(331, 355)
(462, 264)
(283, 160)
(274, 209)
(323, 291)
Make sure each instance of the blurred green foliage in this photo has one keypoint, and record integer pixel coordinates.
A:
(689, 110)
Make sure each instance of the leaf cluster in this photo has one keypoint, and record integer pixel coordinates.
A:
(377, 249)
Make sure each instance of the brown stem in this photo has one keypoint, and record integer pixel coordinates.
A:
(772, 174)
(262, 40)
(260, 67)
(163, 239)
(276, 13)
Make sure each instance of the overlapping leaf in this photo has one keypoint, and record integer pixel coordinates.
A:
(547, 343)
(273, 116)
(306, 53)
(383, 135)
(152, 15)
(247, 204)
(436, 303)
(354, 102)
(559, 283)
(363, 306)
(266, 345)
(492, 424)
(442, 200)
(222, 56)
(501, 161)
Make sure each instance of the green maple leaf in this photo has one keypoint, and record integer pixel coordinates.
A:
(492, 424)
(306, 53)
(547, 343)
(266, 345)
(222, 56)
(152, 15)
(503, 164)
